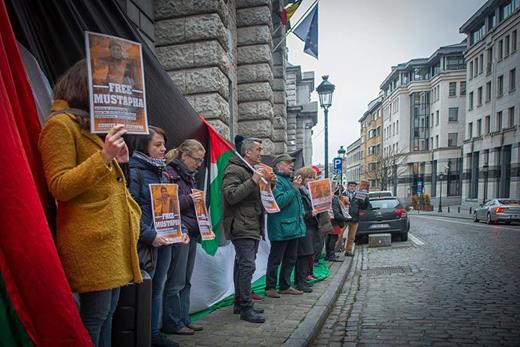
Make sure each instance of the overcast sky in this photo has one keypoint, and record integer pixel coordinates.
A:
(359, 41)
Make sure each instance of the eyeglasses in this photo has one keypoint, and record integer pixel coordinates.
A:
(197, 160)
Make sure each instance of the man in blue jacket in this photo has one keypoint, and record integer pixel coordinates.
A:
(284, 228)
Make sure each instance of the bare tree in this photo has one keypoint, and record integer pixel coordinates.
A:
(387, 168)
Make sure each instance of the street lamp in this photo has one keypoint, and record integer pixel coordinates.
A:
(325, 91)
(441, 177)
(341, 154)
(486, 171)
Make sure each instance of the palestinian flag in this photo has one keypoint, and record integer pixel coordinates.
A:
(220, 151)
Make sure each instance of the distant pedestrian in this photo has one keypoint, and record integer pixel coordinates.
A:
(285, 228)
(338, 223)
(356, 204)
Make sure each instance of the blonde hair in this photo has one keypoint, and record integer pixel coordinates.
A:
(306, 172)
(189, 146)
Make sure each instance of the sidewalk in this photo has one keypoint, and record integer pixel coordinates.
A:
(453, 212)
(291, 319)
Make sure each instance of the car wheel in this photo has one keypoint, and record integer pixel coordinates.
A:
(475, 219)
(404, 237)
(488, 220)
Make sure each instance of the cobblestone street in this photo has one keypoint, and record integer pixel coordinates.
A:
(454, 283)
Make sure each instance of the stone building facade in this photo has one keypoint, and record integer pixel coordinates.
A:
(354, 159)
(220, 55)
(302, 114)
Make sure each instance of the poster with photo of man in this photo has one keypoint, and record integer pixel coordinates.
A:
(166, 211)
(116, 84)
(321, 195)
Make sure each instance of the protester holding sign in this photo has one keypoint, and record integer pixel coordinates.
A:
(338, 223)
(98, 221)
(304, 264)
(284, 228)
(357, 202)
(183, 163)
(243, 221)
(155, 253)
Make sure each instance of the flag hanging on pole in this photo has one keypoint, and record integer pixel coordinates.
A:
(220, 151)
(307, 31)
(288, 11)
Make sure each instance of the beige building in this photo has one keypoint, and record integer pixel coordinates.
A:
(372, 143)
(492, 141)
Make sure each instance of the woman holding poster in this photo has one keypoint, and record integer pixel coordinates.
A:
(183, 163)
(98, 221)
(146, 167)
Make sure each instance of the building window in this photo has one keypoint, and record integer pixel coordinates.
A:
(489, 60)
(506, 46)
(513, 41)
(488, 91)
(487, 124)
(470, 70)
(476, 67)
(397, 127)
(500, 49)
(507, 9)
(479, 127)
(453, 114)
(499, 121)
(470, 101)
(470, 130)
(437, 118)
(452, 139)
(511, 116)
(479, 96)
(500, 86)
(481, 64)
(492, 21)
(463, 88)
(453, 89)
(512, 80)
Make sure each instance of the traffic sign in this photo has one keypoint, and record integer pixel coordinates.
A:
(338, 164)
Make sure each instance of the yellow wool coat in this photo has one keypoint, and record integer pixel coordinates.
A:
(98, 221)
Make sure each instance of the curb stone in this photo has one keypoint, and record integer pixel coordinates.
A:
(310, 326)
(442, 215)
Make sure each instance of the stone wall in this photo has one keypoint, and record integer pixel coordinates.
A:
(196, 43)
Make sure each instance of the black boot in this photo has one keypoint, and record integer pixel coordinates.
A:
(304, 288)
(236, 309)
(250, 315)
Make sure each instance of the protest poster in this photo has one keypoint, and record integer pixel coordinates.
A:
(116, 84)
(362, 192)
(166, 211)
(321, 195)
(266, 193)
(203, 217)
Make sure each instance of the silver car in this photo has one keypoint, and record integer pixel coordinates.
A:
(498, 210)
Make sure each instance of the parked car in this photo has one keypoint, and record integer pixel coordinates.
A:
(380, 194)
(384, 215)
(498, 210)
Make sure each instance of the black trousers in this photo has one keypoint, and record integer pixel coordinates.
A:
(245, 257)
(331, 245)
(285, 253)
(302, 269)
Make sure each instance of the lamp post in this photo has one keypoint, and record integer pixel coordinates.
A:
(441, 177)
(325, 91)
(341, 154)
(485, 168)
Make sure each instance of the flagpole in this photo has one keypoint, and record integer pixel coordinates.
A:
(294, 26)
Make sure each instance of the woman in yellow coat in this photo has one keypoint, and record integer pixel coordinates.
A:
(98, 221)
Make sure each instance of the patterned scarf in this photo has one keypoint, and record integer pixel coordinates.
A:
(158, 163)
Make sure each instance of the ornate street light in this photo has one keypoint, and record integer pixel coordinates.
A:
(325, 91)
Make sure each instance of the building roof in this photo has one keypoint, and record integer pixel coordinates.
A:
(475, 20)
(354, 145)
(444, 50)
(372, 106)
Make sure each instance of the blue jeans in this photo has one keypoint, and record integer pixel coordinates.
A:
(176, 306)
(96, 311)
(164, 255)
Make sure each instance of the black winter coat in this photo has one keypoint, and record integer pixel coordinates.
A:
(356, 205)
